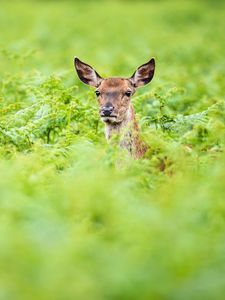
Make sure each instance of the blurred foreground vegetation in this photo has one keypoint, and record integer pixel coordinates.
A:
(79, 219)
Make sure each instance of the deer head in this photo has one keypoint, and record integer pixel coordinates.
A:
(114, 94)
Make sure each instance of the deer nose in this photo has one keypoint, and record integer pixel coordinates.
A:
(107, 110)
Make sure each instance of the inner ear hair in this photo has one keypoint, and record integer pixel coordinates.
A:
(86, 73)
(144, 73)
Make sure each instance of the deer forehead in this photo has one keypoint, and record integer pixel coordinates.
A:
(115, 85)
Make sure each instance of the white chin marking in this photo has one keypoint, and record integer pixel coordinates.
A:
(109, 119)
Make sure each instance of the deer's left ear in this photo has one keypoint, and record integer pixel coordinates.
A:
(143, 74)
(86, 73)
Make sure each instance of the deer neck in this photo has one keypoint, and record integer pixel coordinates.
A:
(129, 131)
(116, 128)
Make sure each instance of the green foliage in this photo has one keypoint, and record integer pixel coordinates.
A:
(80, 219)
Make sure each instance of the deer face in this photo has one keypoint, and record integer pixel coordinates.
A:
(114, 94)
(114, 99)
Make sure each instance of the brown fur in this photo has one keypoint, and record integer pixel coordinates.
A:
(116, 93)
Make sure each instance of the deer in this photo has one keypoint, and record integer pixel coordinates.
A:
(115, 107)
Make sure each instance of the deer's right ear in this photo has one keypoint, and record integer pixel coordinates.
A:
(86, 73)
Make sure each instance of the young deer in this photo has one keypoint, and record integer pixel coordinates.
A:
(114, 97)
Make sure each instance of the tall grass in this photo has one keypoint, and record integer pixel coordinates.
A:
(80, 219)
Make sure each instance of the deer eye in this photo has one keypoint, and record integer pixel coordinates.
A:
(128, 93)
(97, 93)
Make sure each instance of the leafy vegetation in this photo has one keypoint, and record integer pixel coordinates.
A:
(80, 219)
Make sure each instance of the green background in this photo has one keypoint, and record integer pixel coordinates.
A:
(80, 219)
